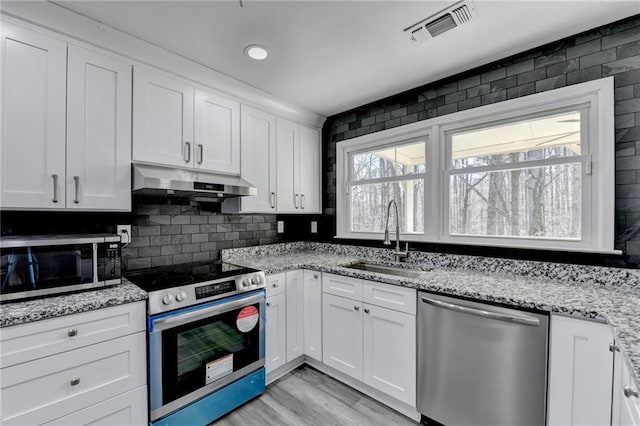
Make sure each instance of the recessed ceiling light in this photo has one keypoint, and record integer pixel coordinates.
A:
(255, 51)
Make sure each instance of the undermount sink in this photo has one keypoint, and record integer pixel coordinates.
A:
(407, 273)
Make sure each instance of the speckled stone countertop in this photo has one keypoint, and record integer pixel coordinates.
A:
(67, 304)
(614, 299)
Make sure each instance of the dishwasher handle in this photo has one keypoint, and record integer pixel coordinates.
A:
(482, 313)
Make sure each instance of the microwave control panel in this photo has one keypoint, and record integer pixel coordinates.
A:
(109, 261)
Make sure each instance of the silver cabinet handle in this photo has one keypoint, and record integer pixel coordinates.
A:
(302, 201)
(630, 392)
(200, 153)
(295, 201)
(274, 285)
(77, 197)
(357, 308)
(55, 188)
(273, 200)
(75, 381)
(187, 152)
(268, 304)
(72, 332)
(315, 276)
(482, 313)
(366, 310)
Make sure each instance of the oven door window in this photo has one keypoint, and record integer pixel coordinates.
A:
(202, 352)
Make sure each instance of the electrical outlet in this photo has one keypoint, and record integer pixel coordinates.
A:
(280, 226)
(125, 233)
(314, 227)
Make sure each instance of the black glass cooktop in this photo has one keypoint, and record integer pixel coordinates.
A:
(161, 278)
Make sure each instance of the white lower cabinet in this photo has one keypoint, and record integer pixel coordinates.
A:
(626, 394)
(580, 372)
(276, 332)
(84, 377)
(295, 314)
(342, 335)
(312, 294)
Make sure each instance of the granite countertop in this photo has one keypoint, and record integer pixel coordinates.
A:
(52, 307)
(616, 305)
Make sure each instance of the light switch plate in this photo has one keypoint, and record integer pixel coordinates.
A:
(314, 227)
(280, 226)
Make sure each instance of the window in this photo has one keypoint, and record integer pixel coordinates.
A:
(533, 172)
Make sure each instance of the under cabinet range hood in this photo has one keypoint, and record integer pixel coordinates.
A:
(196, 185)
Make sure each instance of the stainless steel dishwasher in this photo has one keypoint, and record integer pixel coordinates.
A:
(479, 364)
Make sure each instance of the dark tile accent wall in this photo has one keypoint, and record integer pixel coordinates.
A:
(169, 234)
(611, 50)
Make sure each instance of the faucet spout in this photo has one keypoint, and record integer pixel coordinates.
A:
(399, 254)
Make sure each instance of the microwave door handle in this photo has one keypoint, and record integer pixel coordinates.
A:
(32, 277)
(181, 319)
(11, 262)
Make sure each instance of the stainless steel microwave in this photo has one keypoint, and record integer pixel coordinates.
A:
(35, 266)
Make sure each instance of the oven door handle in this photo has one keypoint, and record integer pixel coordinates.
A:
(181, 319)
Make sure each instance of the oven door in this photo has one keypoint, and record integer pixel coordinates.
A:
(196, 350)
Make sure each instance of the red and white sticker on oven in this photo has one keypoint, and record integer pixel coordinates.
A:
(247, 319)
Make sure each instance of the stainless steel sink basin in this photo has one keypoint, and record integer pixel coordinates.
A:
(407, 273)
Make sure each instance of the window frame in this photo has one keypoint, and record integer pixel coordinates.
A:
(595, 100)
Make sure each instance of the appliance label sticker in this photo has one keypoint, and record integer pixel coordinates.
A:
(219, 368)
(247, 319)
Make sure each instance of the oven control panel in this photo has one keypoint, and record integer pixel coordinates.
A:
(193, 294)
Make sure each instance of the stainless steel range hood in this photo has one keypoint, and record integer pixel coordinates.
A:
(192, 184)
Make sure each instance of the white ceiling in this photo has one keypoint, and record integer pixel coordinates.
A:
(330, 56)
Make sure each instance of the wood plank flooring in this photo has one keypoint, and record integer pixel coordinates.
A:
(308, 397)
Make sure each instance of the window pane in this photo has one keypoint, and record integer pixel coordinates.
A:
(536, 139)
(369, 206)
(534, 202)
(388, 162)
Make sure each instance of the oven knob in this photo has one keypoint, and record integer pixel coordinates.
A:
(246, 282)
(255, 280)
(180, 296)
(167, 299)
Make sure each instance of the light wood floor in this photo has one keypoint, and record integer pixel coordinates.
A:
(308, 397)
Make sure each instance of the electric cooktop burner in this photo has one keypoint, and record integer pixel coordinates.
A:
(160, 278)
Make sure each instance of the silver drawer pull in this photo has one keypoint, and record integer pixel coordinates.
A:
(366, 310)
(315, 276)
(274, 285)
(357, 308)
(55, 188)
(75, 381)
(268, 304)
(629, 392)
(77, 197)
(72, 332)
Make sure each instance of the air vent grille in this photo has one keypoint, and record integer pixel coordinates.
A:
(441, 22)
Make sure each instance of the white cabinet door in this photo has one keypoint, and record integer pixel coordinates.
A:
(342, 335)
(33, 119)
(309, 171)
(287, 193)
(217, 133)
(162, 119)
(276, 332)
(390, 352)
(295, 315)
(626, 403)
(98, 132)
(580, 372)
(313, 314)
(258, 145)
(127, 409)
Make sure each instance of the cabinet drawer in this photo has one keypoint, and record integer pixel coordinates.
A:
(276, 284)
(394, 297)
(27, 342)
(342, 286)
(130, 408)
(46, 389)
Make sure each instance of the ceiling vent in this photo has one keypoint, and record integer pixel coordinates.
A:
(441, 22)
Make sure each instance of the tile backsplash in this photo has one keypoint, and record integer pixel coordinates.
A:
(169, 234)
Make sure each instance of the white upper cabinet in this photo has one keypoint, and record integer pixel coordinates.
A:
(258, 145)
(98, 132)
(45, 92)
(217, 133)
(298, 176)
(33, 119)
(288, 141)
(162, 119)
(309, 170)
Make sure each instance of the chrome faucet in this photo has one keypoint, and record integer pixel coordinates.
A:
(397, 253)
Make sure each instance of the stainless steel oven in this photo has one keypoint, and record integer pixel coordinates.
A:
(35, 266)
(206, 340)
